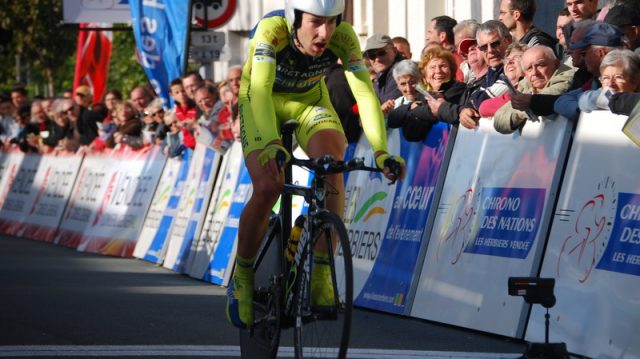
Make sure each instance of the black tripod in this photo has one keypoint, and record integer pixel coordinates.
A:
(545, 350)
(536, 290)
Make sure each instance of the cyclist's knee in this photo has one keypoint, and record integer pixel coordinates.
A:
(327, 142)
(267, 191)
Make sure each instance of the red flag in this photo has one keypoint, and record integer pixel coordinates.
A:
(92, 63)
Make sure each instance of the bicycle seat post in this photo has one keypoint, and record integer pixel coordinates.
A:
(287, 130)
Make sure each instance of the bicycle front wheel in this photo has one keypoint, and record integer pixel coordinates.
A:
(324, 304)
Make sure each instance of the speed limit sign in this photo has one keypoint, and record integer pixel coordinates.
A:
(212, 14)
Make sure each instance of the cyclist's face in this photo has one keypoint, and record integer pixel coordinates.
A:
(315, 33)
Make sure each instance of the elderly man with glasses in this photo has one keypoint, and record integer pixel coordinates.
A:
(383, 56)
(492, 39)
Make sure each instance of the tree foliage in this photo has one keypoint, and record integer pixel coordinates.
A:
(125, 72)
(46, 49)
(38, 39)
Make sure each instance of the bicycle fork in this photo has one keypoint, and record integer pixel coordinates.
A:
(294, 267)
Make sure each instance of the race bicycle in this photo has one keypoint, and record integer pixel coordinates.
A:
(283, 287)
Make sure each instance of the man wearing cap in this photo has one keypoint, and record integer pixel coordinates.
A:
(598, 40)
(82, 96)
(627, 18)
(383, 56)
(542, 104)
(473, 67)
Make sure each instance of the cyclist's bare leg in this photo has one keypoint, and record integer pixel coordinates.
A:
(327, 142)
(330, 142)
(267, 184)
(255, 215)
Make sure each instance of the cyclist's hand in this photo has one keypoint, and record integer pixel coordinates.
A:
(393, 167)
(271, 161)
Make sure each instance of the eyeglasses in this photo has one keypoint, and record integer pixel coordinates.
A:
(493, 45)
(513, 59)
(372, 54)
(407, 83)
(154, 113)
(619, 79)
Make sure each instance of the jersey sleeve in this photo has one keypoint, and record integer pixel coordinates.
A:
(358, 78)
(271, 33)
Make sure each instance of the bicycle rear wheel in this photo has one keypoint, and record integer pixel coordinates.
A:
(325, 331)
(263, 339)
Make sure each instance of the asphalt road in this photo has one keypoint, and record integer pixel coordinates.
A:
(56, 302)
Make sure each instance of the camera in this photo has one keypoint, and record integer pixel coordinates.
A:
(534, 290)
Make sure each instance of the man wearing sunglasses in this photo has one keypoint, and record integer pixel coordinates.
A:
(493, 38)
(383, 56)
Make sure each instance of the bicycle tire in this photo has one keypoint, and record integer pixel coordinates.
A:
(325, 333)
(264, 338)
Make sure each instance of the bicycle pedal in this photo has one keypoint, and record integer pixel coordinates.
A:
(328, 312)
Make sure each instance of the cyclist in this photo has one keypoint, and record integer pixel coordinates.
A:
(289, 53)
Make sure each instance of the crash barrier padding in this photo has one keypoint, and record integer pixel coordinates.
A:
(386, 223)
(34, 193)
(475, 208)
(191, 208)
(491, 224)
(109, 201)
(593, 251)
(162, 211)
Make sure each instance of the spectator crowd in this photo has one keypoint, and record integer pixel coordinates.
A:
(202, 112)
(506, 69)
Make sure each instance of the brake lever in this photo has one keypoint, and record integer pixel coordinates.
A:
(281, 160)
(395, 167)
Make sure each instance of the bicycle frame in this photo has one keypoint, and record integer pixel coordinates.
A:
(314, 196)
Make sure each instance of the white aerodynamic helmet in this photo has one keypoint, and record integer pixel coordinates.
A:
(315, 7)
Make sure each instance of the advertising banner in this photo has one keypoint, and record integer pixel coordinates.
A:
(9, 166)
(153, 222)
(158, 247)
(160, 29)
(113, 11)
(192, 207)
(594, 245)
(19, 192)
(116, 219)
(54, 182)
(224, 253)
(86, 197)
(491, 224)
(203, 249)
(386, 223)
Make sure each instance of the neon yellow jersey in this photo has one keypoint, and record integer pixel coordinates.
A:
(275, 69)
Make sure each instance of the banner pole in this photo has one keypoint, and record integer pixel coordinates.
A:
(188, 40)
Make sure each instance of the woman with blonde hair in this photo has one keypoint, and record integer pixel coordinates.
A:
(442, 94)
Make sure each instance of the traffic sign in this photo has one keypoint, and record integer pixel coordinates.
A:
(206, 46)
(205, 54)
(208, 39)
(213, 13)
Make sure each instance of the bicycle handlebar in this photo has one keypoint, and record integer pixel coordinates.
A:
(327, 165)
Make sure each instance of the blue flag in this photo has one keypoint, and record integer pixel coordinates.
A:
(160, 30)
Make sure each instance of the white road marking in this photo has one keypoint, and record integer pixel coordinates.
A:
(26, 351)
